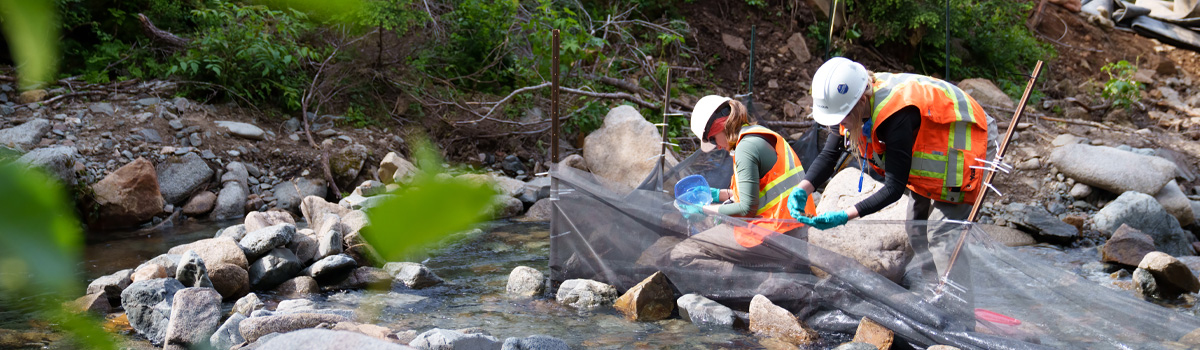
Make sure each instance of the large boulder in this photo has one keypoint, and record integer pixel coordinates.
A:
(56, 161)
(704, 312)
(1142, 212)
(288, 194)
(257, 220)
(331, 269)
(149, 272)
(299, 287)
(255, 327)
(263, 240)
(770, 320)
(650, 300)
(624, 148)
(442, 339)
(503, 185)
(525, 281)
(586, 294)
(395, 169)
(243, 130)
(1108, 168)
(197, 318)
(1171, 275)
(346, 163)
(884, 249)
(229, 280)
(147, 305)
(314, 209)
(111, 285)
(1175, 202)
(25, 135)
(128, 196)
(1127, 246)
(215, 251)
(985, 92)
(168, 261)
(231, 202)
(179, 177)
(277, 266)
(325, 339)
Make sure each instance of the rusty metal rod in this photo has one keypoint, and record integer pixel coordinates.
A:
(987, 179)
(555, 274)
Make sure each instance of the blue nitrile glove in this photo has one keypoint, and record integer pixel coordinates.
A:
(796, 202)
(690, 211)
(716, 194)
(830, 220)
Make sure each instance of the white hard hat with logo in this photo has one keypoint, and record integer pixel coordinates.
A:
(836, 88)
(702, 115)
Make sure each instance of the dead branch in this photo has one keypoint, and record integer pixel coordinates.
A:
(158, 35)
(1077, 122)
(787, 124)
(611, 96)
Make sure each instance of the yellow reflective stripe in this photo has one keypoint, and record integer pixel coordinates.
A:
(777, 190)
(928, 165)
(891, 83)
(962, 110)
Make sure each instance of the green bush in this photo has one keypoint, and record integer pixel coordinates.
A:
(993, 32)
(1121, 89)
(252, 51)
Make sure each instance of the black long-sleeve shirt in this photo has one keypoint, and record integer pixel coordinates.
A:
(899, 133)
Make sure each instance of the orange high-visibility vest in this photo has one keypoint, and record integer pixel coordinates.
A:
(773, 190)
(951, 139)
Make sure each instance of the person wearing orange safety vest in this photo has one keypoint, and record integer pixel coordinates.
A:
(920, 133)
(765, 170)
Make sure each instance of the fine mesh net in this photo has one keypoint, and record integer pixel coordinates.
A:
(992, 298)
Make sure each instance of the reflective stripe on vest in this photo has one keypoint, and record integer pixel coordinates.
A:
(946, 110)
(773, 190)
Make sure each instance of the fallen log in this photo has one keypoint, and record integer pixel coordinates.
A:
(163, 37)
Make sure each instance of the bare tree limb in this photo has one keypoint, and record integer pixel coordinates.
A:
(162, 36)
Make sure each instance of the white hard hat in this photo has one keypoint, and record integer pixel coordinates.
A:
(701, 115)
(836, 88)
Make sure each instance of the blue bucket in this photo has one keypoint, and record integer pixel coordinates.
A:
(693, 190)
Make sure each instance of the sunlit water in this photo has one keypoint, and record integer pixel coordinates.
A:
(476, 268)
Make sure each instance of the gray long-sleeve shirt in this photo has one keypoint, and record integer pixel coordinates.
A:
(753, 157)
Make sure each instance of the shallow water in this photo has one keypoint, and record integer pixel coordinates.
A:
(476, 268)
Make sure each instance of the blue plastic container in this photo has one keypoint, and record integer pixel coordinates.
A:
(693, 190)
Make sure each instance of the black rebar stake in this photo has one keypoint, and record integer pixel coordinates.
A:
(947, 41)
(555, 211)
(662, 157)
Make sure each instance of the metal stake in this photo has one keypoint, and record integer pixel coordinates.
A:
(662, 159)
(555, 211)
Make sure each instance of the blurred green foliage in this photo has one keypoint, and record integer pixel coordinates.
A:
(28, 26)
(428, 209)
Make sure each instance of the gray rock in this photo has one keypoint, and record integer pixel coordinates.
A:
(295, 306)
(986, 92)
(332, 268)
(704, 312)
(175, 124)
(228, 335)
(289, 194)
(1172, 276)
(314, 209)
(619, 150)
(235, 232)
(770, 320)
(248, 304)
(147, 304)
(215, 251)
(150, 135)
(170, 262)
(1142, 212)
(291, 125)
(370, 188)
(304, 245)
(56, 161)
(192, 272)
(357, 202)
(298, 287)
(1176, 203)
(346, 163)
(194, 140)
(504, 206)
(1145, 285)
(538, 212)
(111, 285)
(329, 237)
(243, 130)
(856, 346)
(324, 339)
(237, 172)
(1108, 168)
(535, 342)
(196, 319)
(1044, 226)
(363, 277)
(586, 294)
(525, 281)
(257, 220)
(885, 249)
(231, 203)
(395, 169)
(102, 107)
(259, 242)
(179, 177)
(1080, 191)
(255, 327)
(442, 339)
(413, 275)
(149, 101)
(274, 268)
(25, 135)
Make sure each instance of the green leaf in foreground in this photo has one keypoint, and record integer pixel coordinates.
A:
(427, 210)
(32, 33)
(40, 242)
